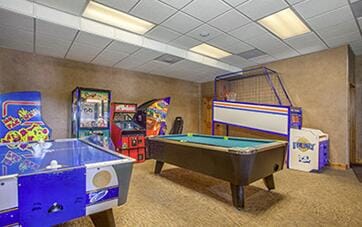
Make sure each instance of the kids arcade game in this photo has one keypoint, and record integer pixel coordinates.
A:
(90, 112)
(151, 115)
(21, 119)
(127, 136)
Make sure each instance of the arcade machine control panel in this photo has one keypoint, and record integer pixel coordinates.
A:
(127, 136)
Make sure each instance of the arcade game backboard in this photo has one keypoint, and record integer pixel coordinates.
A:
(90, 112)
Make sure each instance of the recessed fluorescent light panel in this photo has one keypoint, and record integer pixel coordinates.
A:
(107, 15)
(285, 24)
(210, 51)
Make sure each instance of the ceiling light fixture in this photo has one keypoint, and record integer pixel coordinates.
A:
(107, 15)
(285, 24)
(210, 51)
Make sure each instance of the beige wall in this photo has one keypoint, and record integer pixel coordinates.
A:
(319, 84)
(56, 78)
(358, 81)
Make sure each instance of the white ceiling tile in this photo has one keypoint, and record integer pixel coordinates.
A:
(293, 2)
(92, 40)
(206, 10)
(16, 39)
(230, 44)
(248, 31)
(53, 51)
(282, 52)
(342, 39)
(339, 29)
(306, 43)
(69, 6)
(264, 42)
(185, 42)
(229, 21)
(357, 44)
(54, 30)
(83, 52)
(145, 55)
(256, 9)
(42, 39)
(311, 8)
(235, 2)
(152, 10)
(16, 35)
(109, 58)
(237, 61)
(178, 4)
(122, 5)
(352, 1)
(152, 66)
(162, 34)
(181, 22)
(204, 29)
(16, 21)
(122, 47)
(331, 18)
(262, 59)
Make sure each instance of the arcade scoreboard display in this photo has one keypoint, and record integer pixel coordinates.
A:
(52, 182)
(90, 112)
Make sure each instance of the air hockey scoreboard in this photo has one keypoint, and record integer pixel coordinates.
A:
(52, 182)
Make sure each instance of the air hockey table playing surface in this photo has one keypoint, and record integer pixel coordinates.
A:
(239, 161)
(52, 182)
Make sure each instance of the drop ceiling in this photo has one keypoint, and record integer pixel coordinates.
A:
(56, 28)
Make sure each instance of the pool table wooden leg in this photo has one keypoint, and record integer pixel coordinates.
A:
(237, 193)
(103, 219)
(158, 167)
(269, 182)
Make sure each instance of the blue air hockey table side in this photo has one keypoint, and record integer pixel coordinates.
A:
(52, 182)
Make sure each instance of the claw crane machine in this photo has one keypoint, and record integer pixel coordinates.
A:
(90, 112)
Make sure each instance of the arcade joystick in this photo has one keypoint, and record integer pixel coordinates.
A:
(54, 165)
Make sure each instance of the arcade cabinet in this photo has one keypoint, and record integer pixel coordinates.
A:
(90, 112)
(152, 116)
(127, 136)
(21, 119)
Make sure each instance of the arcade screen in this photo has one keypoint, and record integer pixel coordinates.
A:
(94, 109)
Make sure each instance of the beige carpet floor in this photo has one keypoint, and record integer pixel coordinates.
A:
(183, 198)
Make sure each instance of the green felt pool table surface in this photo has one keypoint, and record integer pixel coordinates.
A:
(220, 141)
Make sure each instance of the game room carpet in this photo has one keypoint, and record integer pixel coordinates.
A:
(182, 198)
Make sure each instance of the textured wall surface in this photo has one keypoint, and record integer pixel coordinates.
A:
(56, 78)
(358, 80)
(319, 84)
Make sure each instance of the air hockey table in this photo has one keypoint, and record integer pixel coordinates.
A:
(239, 161)
(52, 182)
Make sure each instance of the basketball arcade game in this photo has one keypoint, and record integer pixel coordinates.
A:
(128, 136)
(256, 99)
(90, 112)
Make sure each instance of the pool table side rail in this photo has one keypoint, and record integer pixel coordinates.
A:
(235, 150)
(218, 137)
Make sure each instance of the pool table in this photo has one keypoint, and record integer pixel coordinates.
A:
(239, 161)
